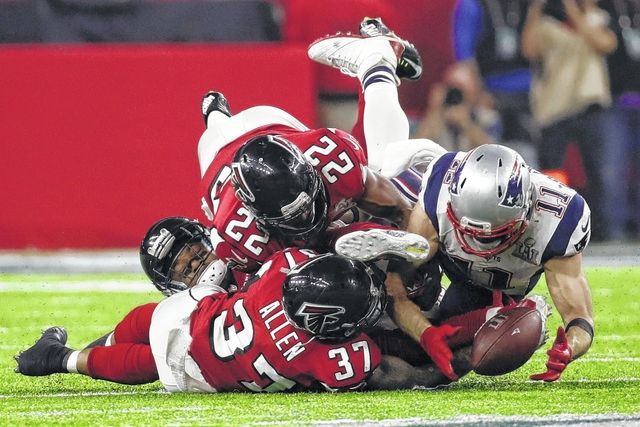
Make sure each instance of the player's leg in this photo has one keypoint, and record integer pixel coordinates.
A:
(126, 363)
(222, 127)
(373, 60)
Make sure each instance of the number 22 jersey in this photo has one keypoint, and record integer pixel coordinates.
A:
(235, 234)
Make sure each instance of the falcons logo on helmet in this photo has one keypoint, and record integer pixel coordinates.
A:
(320, 318)
(161, 244)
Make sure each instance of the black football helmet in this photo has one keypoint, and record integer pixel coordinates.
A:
(173, 253)
(281, 188)
(334, 298)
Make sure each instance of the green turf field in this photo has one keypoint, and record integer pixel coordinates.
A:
(603, 386)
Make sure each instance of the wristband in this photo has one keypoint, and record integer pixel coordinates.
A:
(582, 324)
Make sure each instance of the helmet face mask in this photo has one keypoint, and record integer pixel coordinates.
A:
(280, 187)
(174, 253)
(189, 264)
(491, 198)
(333, 298)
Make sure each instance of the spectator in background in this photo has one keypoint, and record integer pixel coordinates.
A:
(459, 114)
(505, 71)
(623, 121)
(568, 42)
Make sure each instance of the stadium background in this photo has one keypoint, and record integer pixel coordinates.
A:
(99, 139)
(100, 102)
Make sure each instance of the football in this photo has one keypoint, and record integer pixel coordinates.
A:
(506, 341)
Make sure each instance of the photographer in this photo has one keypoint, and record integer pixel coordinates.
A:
(567, 42)
(459, 115)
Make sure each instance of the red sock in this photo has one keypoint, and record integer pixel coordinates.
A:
(469, 322)
(134, 328)
(123, 363)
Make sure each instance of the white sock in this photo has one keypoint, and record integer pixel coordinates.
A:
(72, 362)
(384, 120)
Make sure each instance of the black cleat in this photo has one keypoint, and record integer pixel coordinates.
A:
(214, 101)
(409, 64)
(47, 356)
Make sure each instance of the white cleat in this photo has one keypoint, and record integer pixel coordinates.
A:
(378, 243)
(354, 55)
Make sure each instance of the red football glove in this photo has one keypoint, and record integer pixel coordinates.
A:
(433, 341)
(559, 358)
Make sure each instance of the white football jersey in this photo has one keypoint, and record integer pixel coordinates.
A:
(559, 225)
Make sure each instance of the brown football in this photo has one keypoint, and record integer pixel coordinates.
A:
(506, 341)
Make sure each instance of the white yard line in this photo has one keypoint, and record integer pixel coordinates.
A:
(71, 286)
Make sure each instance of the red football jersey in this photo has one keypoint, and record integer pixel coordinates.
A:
(335, 154)
(245, 342)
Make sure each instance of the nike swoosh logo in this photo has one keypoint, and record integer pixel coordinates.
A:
(416, 67)
(242, 260)
(586, 226)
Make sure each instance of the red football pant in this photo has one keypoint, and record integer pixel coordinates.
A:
(129, 360)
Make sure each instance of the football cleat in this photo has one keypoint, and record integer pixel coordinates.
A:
(214, 101)
(378, 243)
(354, 55)
(46, 356)
(409, 63)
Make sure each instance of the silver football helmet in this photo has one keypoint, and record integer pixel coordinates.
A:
(491, 196)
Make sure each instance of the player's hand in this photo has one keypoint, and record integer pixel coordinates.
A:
(434, 341)
(559, 358)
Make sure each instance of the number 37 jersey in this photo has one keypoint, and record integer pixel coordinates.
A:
(244, 341)
(237, 238)
(559, 226)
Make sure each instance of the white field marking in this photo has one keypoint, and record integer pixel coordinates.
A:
(82, 394)
(592, 381)
(162, 391)
(466, 420)
(608, 359)
(473, 420)
(616, 337)
(92, 286)
(141, 410)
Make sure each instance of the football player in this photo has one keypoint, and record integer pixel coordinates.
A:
(174, 252)
(297, 325)
(295, 181)
(496, 226)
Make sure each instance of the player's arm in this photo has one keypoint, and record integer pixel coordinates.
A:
(571, 295)
(383, 200)
(419, 223)
(407, 315)
(394, 373)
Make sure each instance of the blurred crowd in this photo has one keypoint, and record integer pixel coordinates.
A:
(557, 80)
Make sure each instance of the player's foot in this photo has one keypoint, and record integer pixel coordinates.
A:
(409, 63)
(214, 101)
(47, 356)
(378, 243)
(355, 55)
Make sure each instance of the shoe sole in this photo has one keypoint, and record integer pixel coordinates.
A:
(374, 244)
(324, 49)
